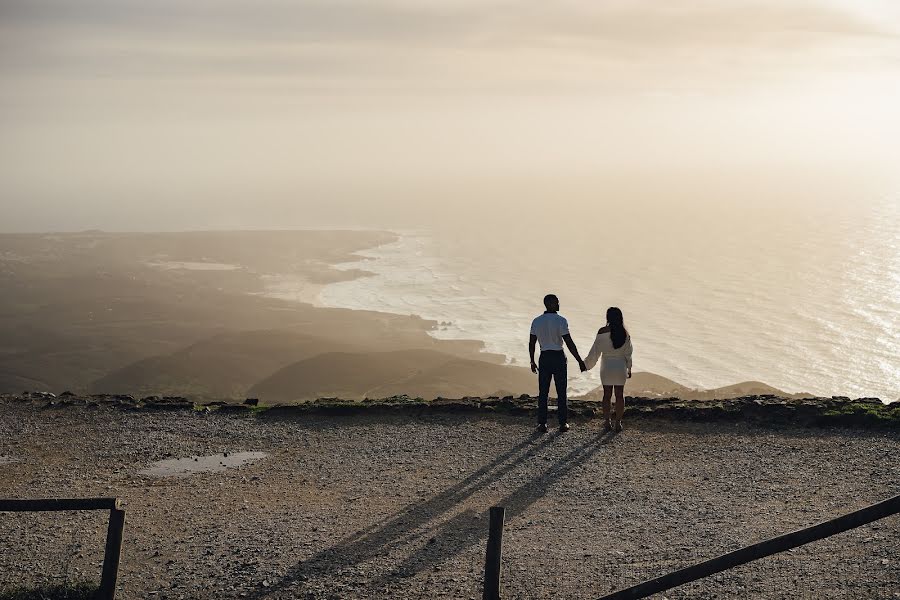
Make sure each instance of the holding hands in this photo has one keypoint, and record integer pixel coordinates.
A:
(581, 366)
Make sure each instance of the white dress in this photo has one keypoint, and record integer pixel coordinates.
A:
(615, 362)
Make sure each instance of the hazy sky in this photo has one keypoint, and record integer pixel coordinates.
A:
(128, 114)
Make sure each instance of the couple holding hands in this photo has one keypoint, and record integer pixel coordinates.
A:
(612, 347)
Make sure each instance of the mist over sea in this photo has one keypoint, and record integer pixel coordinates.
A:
(801, 296)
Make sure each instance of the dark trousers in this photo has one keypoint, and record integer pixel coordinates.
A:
(552, 365)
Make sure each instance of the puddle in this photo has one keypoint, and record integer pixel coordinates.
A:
(201, 464)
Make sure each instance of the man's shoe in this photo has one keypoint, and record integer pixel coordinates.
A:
(564, 428)
(542, 427)
(618, 426)
(607, 426)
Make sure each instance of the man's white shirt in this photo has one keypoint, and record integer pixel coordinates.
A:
(550, 328)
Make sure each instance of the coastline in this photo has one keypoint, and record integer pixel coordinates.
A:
(376, 261)
(306, 287)
(196, 314)
(188, 324)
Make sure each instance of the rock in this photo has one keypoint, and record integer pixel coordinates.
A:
(168, 403)
(869, 401)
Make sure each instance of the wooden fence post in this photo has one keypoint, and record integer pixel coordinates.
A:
(846, 522)
(494, 554)
(113, 532)
(113, 554)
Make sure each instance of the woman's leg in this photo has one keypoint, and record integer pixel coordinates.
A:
(620, 402)
(607, 395)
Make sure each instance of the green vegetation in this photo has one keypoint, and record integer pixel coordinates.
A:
(865, 412)
(67, 591)
(258, 409)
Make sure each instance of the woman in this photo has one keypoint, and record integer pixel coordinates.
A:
(614, 345)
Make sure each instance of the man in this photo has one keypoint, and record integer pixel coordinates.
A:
(551, 330)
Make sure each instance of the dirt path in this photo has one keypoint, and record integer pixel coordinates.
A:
(393, 506)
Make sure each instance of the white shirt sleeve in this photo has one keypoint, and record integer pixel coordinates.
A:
(594, 355)
(629, 350)
(534, 327)
(563, 326)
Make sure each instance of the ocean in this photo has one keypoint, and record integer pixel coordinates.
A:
(802, 296)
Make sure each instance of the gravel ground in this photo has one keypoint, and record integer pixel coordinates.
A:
(395, 506)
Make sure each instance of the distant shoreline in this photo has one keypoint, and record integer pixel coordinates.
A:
(307, 291)
(193, 313)
(160, 313)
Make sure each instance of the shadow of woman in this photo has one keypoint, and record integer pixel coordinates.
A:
(413, 524)
(378, 538)
(465, 529)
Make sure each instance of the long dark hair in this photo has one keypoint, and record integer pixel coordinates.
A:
(616, 323)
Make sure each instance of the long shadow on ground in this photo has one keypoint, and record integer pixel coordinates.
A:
(410, 526)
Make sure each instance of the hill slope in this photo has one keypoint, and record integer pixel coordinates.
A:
(355, 375)
(650, 385)
(223, 366)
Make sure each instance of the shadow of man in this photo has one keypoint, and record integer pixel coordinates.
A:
(465, 529)
(413, 523)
